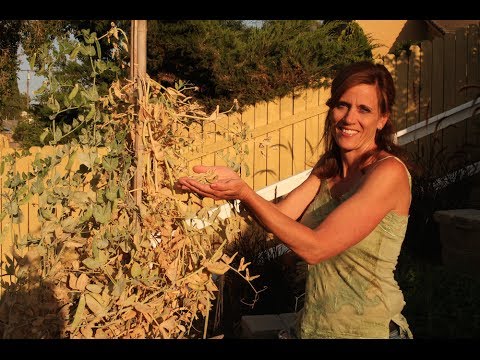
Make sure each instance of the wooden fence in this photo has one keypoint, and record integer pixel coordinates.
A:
(285, 137)
(432, 78)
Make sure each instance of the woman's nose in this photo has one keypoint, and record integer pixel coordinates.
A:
(349, 116)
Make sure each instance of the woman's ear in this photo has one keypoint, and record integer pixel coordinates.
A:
(382, 121)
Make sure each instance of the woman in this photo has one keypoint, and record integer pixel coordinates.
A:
(348, 219)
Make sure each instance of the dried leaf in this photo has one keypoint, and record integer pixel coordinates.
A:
(87, 332)
(93, 304)
(243, 265)
(228, 260)
(218, 268)
(171, 271)
(94, 288)
(129, 314)
(169, 324)
(72, 281)
(82, 282)
(143, 308)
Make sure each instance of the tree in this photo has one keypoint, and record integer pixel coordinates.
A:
(9, 94)
(50, 49)
(225, 59)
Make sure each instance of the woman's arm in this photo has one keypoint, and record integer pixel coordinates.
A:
(292, 205)
(385, 187)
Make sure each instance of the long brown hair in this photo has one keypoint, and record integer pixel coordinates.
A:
(363, 72)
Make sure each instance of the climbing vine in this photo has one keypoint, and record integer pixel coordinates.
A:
(99, 265)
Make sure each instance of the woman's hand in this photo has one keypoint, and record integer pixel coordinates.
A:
(226, 183)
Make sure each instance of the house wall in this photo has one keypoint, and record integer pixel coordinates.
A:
(388, 33)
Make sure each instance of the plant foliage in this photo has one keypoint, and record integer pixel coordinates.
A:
(101, 265)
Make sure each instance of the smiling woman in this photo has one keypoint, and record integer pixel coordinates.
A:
(348, 219)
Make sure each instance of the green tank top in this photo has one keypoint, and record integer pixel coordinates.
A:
(354, 294)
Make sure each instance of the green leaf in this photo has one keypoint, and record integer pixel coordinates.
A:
(57, 136)
(74, 53)
(80, 197)
(102, 243)
(110, 164)
(41, 89)
(99, 49)
(37, 187)
(2, 215)
(136, 270)
(103, 257)
(74, 92)
(44, 135)
(102, 214)
(87, 214)
(247, 170)
(32, 61)
(71, 158)
(90, 113)
(26, 199)
(90, 50)
(69, 224)
(111, 193)
(94, 93)
(79, 312)
(13, 209)
(45, 213)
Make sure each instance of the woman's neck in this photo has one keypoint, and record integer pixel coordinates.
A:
(353, 164)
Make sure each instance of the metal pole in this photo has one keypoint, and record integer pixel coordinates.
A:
(28, 86)
(28, 89)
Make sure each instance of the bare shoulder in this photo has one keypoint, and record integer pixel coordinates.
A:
(388, 182)
(389, 169)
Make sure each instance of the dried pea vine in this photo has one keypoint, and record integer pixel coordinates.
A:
(89, 271)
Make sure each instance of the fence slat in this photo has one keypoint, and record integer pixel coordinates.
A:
(472, 128)
(221, 125)
(437, 76)
(413, 92)
(452, 134)
(425, 97)
(312, 128)
(248, 117)
(460, 66)
(273, 150)
(286, 138)
(208, 138)
(401, 88)
(298, 134)
(260, 160)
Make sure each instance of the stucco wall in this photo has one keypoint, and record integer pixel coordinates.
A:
(388, 32)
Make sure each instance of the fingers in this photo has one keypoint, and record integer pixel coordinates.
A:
(202, 168)
(202, 189)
